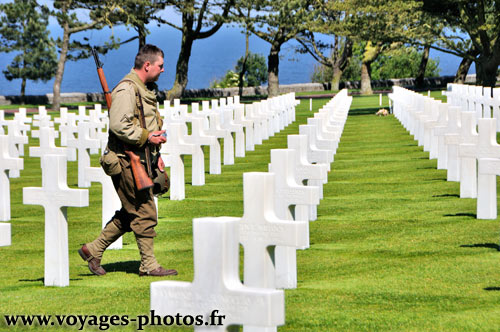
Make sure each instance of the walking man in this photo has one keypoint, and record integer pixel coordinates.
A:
(134, 125)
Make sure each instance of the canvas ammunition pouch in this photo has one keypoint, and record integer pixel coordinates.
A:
(110, 162)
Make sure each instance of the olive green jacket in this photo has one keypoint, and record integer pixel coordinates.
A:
(124, 116)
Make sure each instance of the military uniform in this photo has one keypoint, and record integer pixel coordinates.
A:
(138, 212)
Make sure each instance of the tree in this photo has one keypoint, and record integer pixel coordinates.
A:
(403, 62)
(276, 22)
(196, 15)
(254, 73)
(380, 25)
(65, 12)
(329, 22)
(23, 28)
(139, 13)
(254, 70)
(341, 53)
(480, 21)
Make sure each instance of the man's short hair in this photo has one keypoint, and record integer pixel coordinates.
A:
(147, 53)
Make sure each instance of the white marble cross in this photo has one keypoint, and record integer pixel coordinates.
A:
(216, 287)
(288, 195)
(198, 136)
(468, 169)
(307, 173)
(23, 120)
(7, 163)
(55, 197)
(47, 145)
(176, 148)
(82, 114)
(315, 154)
(82, 144)
(16, 144)
(5, 235)
(486, 149)
(438, 131)
(68, 131)
(260, 123)
(40, 120)
(248, 125)
(216, 130)
(3, 122)
(110, 202)
(237, 129)
(452, 140)
(96, 127)
(261, 230)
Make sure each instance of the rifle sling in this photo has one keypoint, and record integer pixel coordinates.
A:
(143, 125)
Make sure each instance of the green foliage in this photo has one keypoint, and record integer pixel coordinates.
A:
(230, 80)
(400, 63)
(255, 69)
(255, 73)
(23, 29)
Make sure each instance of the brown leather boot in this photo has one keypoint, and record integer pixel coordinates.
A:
(94, 263)
(159, 272)
(149, 264)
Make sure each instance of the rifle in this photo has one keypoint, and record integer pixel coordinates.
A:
(141, 177)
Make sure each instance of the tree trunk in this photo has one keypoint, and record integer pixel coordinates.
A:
(181, 71)
(340, 64)
(486, 69)
(244, 64)
(370, 54)
(273, 63)
(337, 74)
(366, 79)
(23, 90)
(23, 84)
(462, 71)
(56, 103)
(142, 35)
(419, 80)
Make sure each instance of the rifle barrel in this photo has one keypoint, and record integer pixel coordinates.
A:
(96, 57)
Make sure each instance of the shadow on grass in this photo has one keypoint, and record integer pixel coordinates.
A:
(482, 245)
(42, 280)
(363, 111)
(447, 195)
(127, 267)
(472, 215)
(492, 289)
(461, 214)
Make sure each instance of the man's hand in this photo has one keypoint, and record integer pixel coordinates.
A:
(156, 137)
(161, 164)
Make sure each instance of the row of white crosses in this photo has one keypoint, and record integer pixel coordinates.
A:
(462, 143)
(54, 194)
(275, 223)
(240, 127)
(7, 164)
(483, 101)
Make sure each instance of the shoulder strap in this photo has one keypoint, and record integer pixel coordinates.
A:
(139, 110)
(139, 106)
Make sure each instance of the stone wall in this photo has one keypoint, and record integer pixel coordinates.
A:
(77, 97)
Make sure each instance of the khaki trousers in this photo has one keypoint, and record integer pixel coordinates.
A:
(138, 215)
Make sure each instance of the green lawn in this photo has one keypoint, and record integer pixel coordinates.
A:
(393, 249)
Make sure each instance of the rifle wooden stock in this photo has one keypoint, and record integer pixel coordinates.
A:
(104, 84)
(141, 178)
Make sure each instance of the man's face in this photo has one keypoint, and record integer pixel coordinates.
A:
(155, 69)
